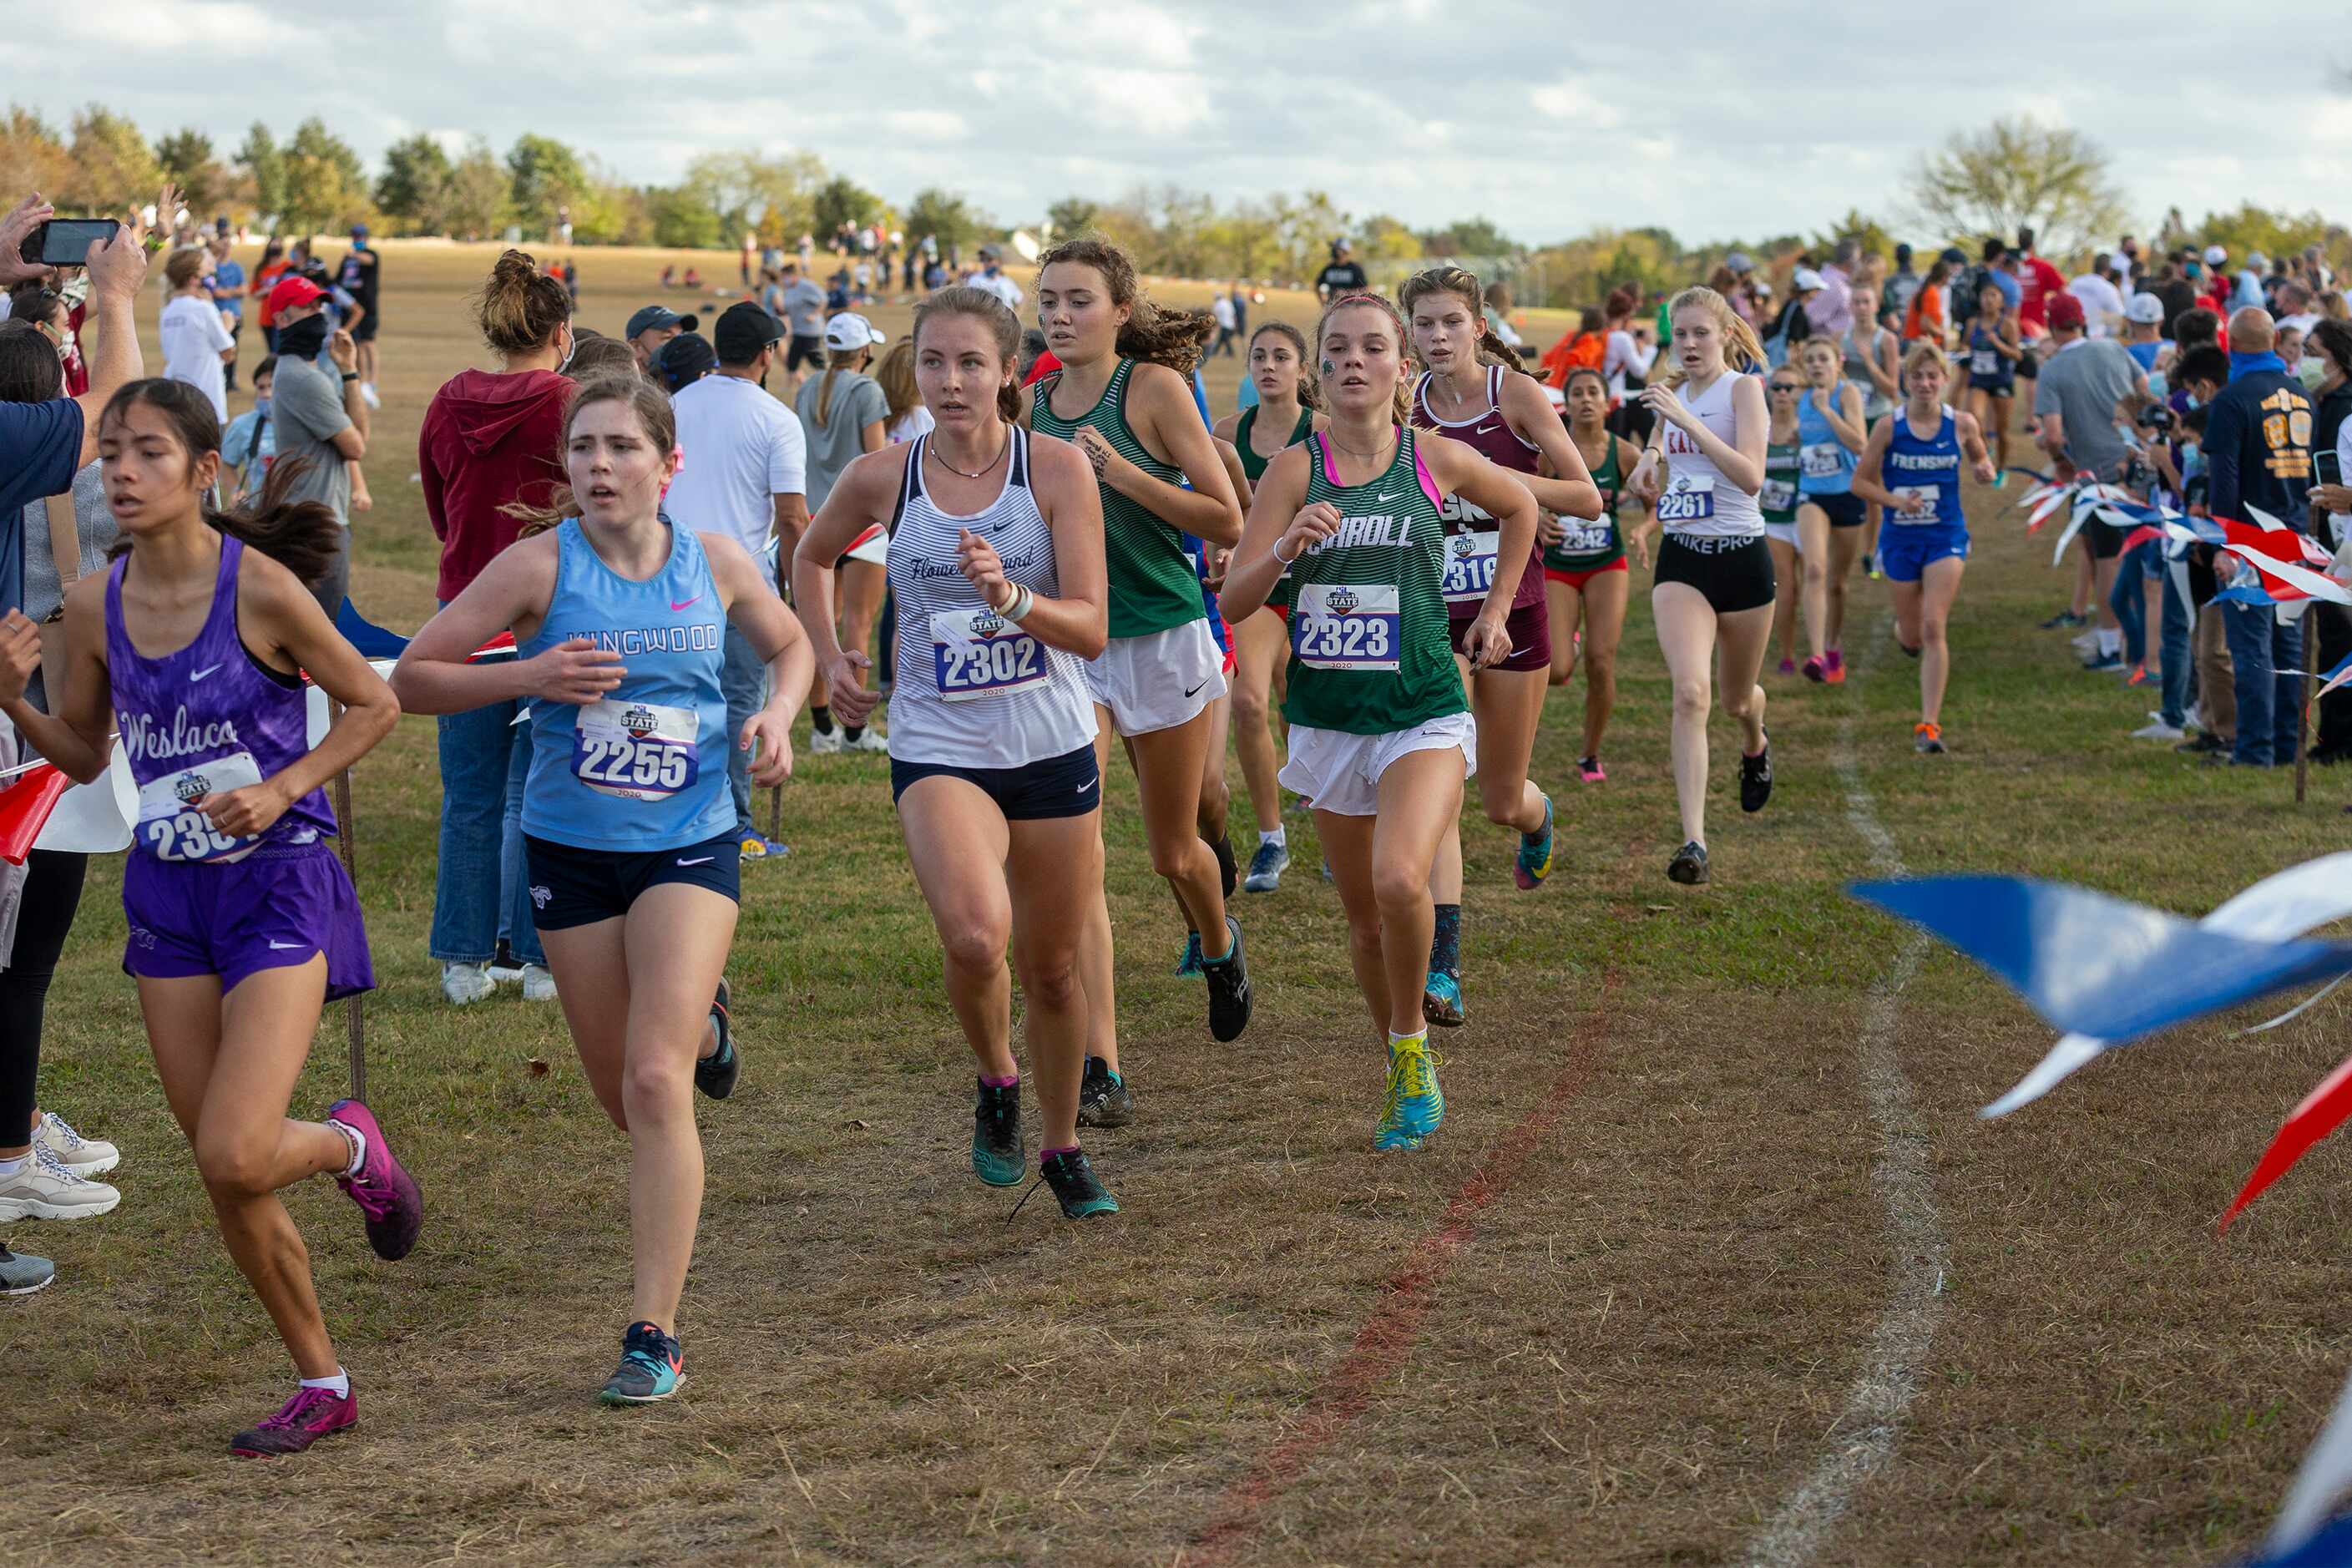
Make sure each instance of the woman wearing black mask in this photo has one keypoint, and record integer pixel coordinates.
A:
(492, 438)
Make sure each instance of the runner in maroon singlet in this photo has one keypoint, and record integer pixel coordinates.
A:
(1505, 416)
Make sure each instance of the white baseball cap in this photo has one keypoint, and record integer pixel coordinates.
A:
(2216, 254)
(1806, 278)
(2145, 309)
(851, 330)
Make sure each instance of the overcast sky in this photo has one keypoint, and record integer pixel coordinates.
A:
(1549, 117)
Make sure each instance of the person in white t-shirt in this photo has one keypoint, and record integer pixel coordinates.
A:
(745, 475)
(2102, 302)
(991, 277)
(197, 347)
(1221, 308)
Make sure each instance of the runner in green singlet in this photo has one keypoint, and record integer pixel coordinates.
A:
(1380, 735)
(1283, 417)
(1803, 573)
(1123, 396)
(1586, 577)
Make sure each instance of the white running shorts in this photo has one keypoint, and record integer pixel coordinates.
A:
(1340, 772)
(1158, 680)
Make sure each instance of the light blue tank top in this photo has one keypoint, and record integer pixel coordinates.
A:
(1826, 464)
(645, 768)
(1929, 471)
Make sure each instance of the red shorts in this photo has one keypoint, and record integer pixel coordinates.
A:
(1577, 580)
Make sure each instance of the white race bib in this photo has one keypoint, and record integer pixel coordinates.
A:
(1985, 362)
(1584, 536)
(979, 653)
(1918, 506)
(1337, 627)
(1687, 500)
(173, 829)
(1470, 565)
(1777, 495)
(1821, 459)
(636, 750)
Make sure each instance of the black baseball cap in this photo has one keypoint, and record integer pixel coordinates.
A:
(742, 331)
(654, 315)
(684, 360)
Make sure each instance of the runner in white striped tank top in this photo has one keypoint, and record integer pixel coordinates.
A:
(996, 567)
(1714, 577)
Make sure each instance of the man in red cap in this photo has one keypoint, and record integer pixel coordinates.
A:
(318, 413)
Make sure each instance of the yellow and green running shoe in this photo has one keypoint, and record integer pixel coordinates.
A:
(1414, 1105)
(1534, 863)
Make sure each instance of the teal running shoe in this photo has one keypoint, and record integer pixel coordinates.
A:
(1534, 863)
(1189, 962)
(1081, 1196)
(998, 1156)
(1414, 1106)
(1440, 1000)
(652, 1367)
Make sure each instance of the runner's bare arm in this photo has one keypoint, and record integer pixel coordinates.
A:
(1281, 493)
(1972, 446)
(73, 734)
(1161, 411)
(1568, 489)
(865, 495)
(511, 593)
(775, 635)
(1869, 476)
(1464, 471)
(1078, 620)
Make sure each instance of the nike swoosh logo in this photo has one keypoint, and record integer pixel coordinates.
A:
(705, 860)
(208, 670)
(1189, 694)
(687, 603)
(1086, 786)
(1385, 494)
(282, 946)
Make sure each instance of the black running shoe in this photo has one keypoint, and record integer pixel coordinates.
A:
(1229, 987)
(715, 1074)
(2064, 619)
(1103, 1097)
(998, 1155)
(1755, 778)
(1075, 1186)
(1689, 865)
(1229, 875)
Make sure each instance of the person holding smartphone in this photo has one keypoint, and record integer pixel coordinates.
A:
(2331, 521)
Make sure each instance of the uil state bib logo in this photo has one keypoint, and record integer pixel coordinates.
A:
(639, 722)
(987, 624)
(192, 786)
(1341, 601)
(1465, 545)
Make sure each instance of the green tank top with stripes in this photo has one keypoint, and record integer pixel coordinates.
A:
(1588, 545)
(1252, 464)
(1778, 500)
(1152, 583)
(1371, 652)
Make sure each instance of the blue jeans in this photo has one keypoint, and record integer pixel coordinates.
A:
(2268, 659)
(481, 892)
(2129, 600)
(744, 678)
(2179, 617)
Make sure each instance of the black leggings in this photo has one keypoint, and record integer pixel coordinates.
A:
(52, 892)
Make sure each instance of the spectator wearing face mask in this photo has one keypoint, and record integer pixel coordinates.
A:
(492, 438)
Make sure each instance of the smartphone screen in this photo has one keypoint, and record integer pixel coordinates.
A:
(65, 241)
(2326, 467)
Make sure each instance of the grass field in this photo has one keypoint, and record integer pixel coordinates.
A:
(1711, 1167)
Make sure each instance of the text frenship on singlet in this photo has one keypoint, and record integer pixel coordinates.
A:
(626, 640)
(1382, 532)
(1922, 460)
(144, 739)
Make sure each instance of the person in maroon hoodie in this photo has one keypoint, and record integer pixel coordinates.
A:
(490, 438)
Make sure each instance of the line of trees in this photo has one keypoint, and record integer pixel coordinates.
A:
(2014, 172)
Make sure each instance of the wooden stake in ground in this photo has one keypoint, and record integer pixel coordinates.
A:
(346, 844)
(776, 813)
(2303, 703)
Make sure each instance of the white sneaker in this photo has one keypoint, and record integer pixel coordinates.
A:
(367, 394)
(44, 1189)
(538, 983)
(826, 744)
(2087, 642)
(509, 972)
(82, 1156)
(2159, 731)
(464, 982)
(872, 739)
(2195, 719)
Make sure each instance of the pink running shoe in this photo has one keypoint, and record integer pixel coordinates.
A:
(1588, 770)
(1837, 666)
(310, 1415)
(386, 1192)
(1816, 669)
(1788, 667)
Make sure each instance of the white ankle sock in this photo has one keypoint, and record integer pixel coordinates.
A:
(339, 1385)
(359, 1146)
(2111, 642)
(10, 1167)
(1396, 1039)
(1280, 836)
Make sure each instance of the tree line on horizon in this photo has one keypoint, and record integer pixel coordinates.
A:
(1987, 182)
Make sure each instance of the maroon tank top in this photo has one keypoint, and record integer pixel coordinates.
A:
(1496, 441)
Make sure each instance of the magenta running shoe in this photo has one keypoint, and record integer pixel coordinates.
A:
(385, 1191)
(1788, 667)
(310, 1415)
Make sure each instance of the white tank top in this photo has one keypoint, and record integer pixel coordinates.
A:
(972, 689)
(1698, 501)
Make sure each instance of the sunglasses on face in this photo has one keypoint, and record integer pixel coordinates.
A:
(1786, 386)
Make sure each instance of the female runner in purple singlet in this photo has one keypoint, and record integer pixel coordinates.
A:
(242, 923)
